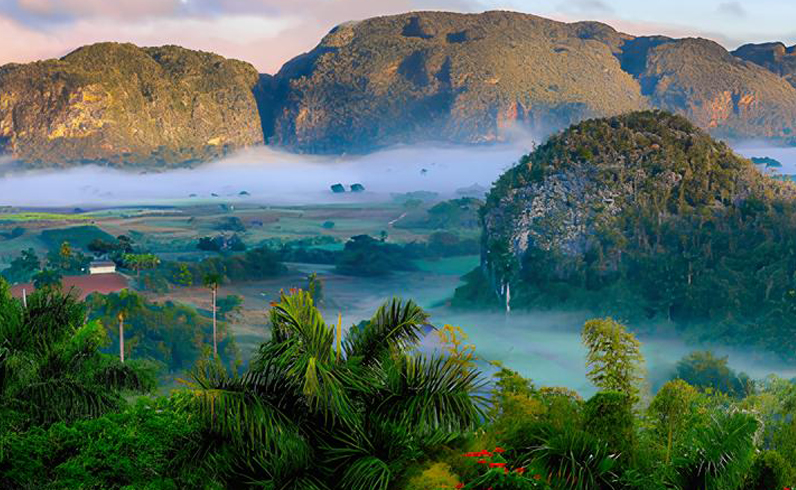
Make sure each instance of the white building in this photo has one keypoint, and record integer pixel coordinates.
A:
(103, 267)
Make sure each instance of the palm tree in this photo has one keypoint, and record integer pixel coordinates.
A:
(212, 281)
(304, 418)
(125, 303)
(51, 368)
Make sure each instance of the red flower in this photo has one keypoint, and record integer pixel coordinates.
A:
(537, 477)
(520, 470)
(481, 461)
(497, 465)
(460, 485)
(499, 450)
(506, 471)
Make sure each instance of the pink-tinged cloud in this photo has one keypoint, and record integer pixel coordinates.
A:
(266, 33)
(100, 8)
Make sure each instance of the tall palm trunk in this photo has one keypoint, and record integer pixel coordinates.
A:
(215, 344)
(121, 337)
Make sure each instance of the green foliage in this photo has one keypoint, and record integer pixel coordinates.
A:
(367, 256)
(302, 417)
(614, 357)
(671, 411)
(655, 225)
(22, 268)
(717, 455)
(173, 335)
(608, 415)
(770, 470)
(51, 366)
(147, 446)
(705, 371)
(79, 236)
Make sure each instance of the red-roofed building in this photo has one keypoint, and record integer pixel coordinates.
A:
(82, 285)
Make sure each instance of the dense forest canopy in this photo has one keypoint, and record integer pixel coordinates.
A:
(645, 216)
(318, 409)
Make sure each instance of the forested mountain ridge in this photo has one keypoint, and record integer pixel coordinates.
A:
(125, 106)
(402, 79)
(646, 215)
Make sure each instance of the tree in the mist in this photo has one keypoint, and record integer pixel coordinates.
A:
(670, 411)
(51, 368)
(23, 267)
(47, 278)
(703, 370)
(614, 357)
(138, 262)
(315, 288)
(212, 281)
(306, 416)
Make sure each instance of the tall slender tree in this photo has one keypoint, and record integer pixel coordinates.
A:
(212, 281)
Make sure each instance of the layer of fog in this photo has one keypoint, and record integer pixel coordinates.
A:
(542, 345)
(268, 176)
(785, 155)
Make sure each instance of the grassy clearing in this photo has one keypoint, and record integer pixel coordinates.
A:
(31, 216)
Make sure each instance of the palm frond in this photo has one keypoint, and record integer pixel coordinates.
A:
(574, 460)
(64, 399)
(715, 456)
(367, 473)
(396, 326)
(431, 394)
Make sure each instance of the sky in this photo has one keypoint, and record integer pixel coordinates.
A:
(267, 33)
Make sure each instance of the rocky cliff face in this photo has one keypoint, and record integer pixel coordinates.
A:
(605, 187)
(448, 77)
(123, 105)
(776, 57)
(417, 77)
(477, 78)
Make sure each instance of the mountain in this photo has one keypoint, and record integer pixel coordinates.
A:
(474, 78)
(644, 216)
(124, 105)
(775, 57)
(402, 79)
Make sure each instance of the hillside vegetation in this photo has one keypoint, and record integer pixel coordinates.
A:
(475, 78)
(646, 215)
(124, 105)
(402, 79)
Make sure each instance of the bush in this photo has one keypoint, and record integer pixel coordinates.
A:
(608, 415)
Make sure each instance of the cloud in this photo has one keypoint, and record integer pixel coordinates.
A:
(266, 33)
(99, 8)
(587, 7)
(732, 9)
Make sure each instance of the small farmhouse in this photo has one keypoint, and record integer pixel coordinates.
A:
(102, 267)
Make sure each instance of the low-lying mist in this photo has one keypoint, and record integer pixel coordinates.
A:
(268, 176)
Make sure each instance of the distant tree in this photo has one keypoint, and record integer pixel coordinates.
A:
(705, 371)
(138, 262)
(614, 357)
(327, 225)
(66, 255)
(23, 267)
(357, 188)
(184, 276)
(47, 279)
(212, 282)
(229, 306)
(125, 303)
(338, 188)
